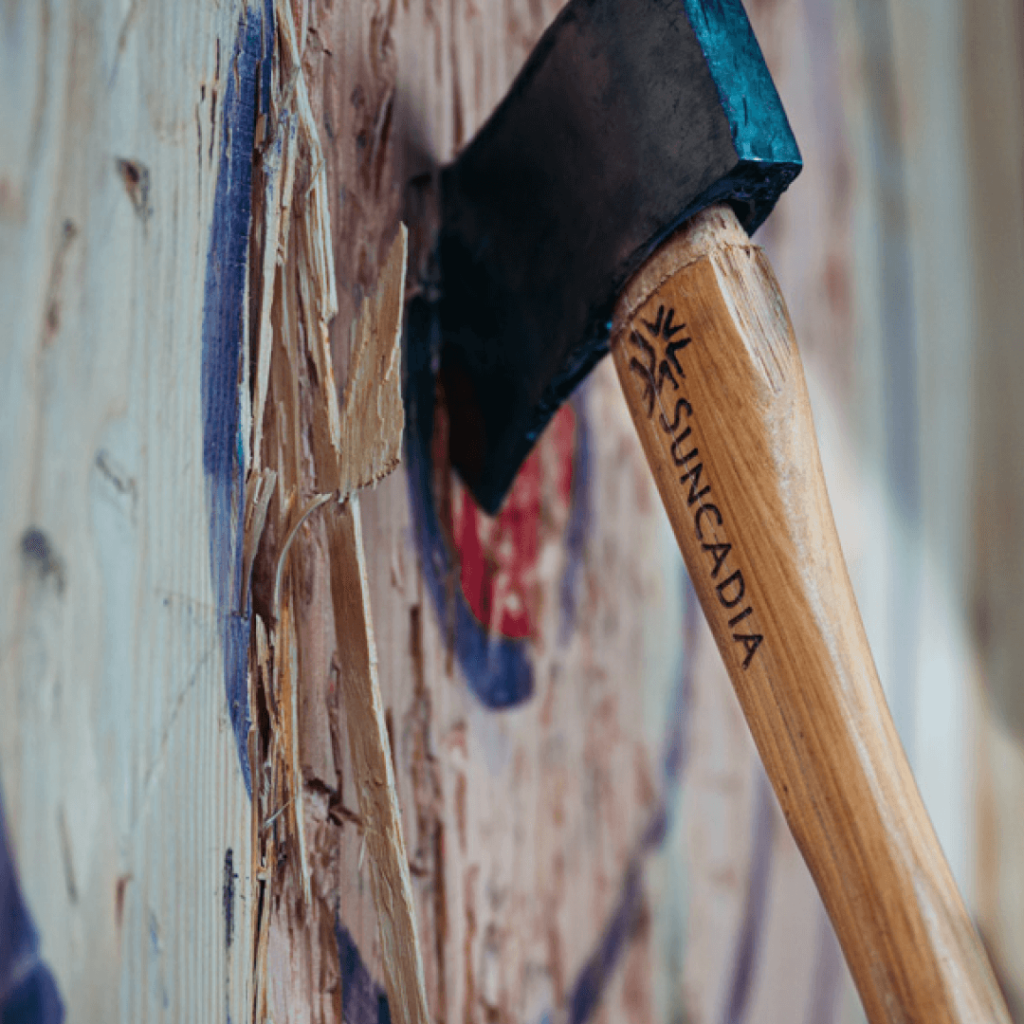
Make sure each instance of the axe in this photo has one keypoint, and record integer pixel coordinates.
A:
(607, 204)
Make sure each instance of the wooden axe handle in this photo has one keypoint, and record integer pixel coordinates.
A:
(705, 352)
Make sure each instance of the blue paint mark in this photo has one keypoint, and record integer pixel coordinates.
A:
(228, 897)
(596, 974)
(497, 669)
(756, 904)
(246, 91)
(28, 993)
(363, 1000)
(578, 527)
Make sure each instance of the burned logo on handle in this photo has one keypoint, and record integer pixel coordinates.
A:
(654, 362)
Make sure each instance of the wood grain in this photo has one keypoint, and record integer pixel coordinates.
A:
(370, 750)
(372, 415)
(292, 441)
(122, 783)
(704, 349)
(317, 456)
(372, 419)
(523, 826)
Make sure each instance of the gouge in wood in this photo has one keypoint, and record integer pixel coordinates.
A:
(642, 127)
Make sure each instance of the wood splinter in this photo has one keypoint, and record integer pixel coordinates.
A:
(365, 441)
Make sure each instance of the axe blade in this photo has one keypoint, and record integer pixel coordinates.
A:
(629, 117)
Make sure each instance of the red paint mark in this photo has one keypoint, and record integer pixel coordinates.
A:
(499, 555)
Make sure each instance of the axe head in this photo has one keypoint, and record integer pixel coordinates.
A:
(628, 118)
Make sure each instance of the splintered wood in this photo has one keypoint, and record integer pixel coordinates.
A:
(372, 419)
(307, 455)
(606, 850)
(372, 415)
(375, 781)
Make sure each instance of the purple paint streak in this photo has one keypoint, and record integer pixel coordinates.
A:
(28, 993)
(363, 1000)
(596, 974)
(246, 93)
(756, 905)
(579, 513)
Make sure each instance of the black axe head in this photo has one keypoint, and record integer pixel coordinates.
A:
(628, 118)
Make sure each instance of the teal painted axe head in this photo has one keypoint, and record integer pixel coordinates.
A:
(629, 117)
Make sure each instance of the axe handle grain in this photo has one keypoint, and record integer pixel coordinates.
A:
(705, 352)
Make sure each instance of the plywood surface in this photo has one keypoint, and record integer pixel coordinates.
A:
(589, 834)
(125, 803)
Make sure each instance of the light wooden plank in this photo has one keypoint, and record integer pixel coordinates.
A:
(122, 779)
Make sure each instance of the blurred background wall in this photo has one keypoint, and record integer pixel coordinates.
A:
(902, 251)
